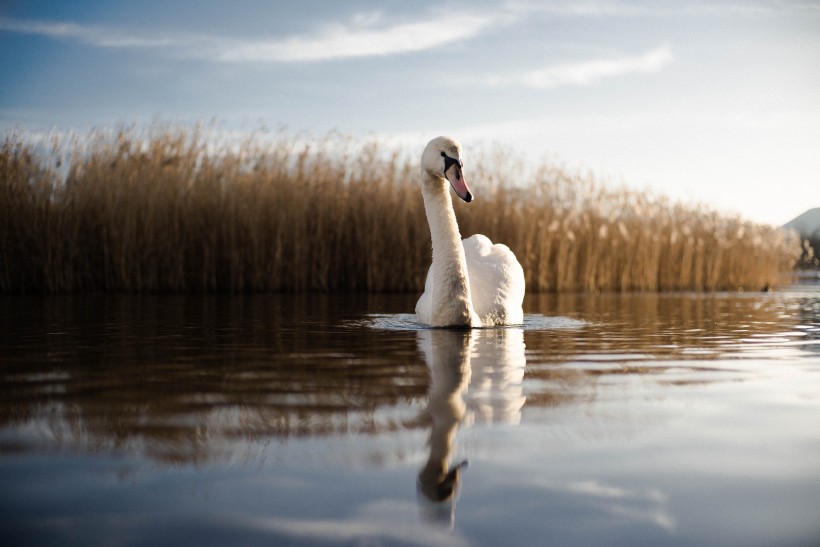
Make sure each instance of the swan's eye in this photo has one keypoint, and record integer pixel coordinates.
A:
(448, 162)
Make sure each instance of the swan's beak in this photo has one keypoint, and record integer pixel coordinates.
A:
(456, 178)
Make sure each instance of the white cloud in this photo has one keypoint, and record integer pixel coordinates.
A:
(365, 35)
(586, 73)
(589, 72)
(603, 8)
(93, 35)
(578, 9)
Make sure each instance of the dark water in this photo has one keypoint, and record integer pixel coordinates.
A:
(323, 420)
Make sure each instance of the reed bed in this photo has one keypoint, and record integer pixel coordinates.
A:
(169, 209)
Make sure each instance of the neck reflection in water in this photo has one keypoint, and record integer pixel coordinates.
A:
(475, 377)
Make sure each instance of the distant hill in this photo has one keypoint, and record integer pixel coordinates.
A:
(807, 224)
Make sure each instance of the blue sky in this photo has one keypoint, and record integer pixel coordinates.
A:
(713, 102)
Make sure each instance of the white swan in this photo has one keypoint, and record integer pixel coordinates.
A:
(471, 283)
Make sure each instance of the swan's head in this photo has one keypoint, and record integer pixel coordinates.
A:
(442, 160)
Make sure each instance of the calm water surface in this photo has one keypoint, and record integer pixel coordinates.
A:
(322, 420)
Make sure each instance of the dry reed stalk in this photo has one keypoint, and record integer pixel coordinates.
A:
(165, 209)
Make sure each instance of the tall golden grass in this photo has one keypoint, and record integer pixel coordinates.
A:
(165, 209)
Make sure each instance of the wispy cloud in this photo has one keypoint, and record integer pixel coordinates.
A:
(604, 8)
(586, 73)
(90, 34)
(364, 35)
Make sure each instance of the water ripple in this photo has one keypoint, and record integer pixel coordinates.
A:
(409, 322)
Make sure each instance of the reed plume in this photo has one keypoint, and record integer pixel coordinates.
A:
(168, 209)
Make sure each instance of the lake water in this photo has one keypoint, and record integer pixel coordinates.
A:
(636, 419)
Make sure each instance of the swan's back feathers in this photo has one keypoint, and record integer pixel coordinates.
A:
(496, 281)
(496, 284)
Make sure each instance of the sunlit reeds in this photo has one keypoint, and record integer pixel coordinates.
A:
(168, 209)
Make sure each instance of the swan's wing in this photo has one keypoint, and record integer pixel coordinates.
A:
(496, 281)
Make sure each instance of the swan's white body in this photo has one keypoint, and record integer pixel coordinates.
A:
(473, 283)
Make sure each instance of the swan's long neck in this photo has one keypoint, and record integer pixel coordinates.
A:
(452, 302)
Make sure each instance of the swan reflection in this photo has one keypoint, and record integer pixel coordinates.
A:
(475, 377)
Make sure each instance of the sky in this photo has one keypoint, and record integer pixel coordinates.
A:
(714, 103)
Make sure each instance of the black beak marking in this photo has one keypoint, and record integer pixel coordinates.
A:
(449, 162)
